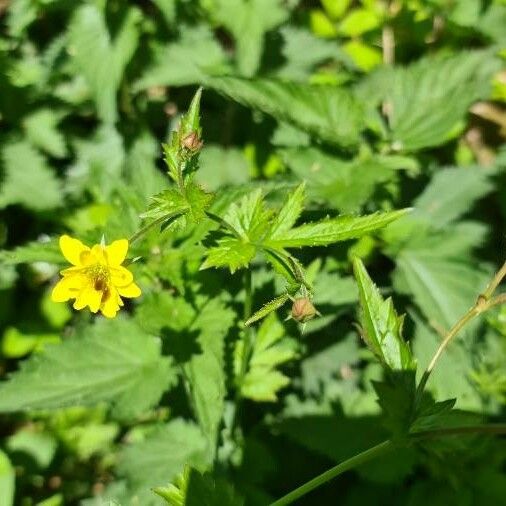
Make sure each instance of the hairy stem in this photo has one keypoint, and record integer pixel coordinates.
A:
(147, 227)
(247, 344)
(351, 463)
(380, 449)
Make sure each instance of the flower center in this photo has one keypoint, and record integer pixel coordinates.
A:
(99, 276)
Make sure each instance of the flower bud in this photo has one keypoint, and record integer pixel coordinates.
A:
(303, 310)
(192, 142)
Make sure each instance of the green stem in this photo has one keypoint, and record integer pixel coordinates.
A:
(351, 463)
(247, 345)
(152, 224)
(146, 228)
(380, 449)
(248, 342)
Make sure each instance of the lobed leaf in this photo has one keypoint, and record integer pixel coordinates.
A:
(333, 230)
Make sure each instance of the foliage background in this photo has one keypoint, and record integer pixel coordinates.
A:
(376, 106)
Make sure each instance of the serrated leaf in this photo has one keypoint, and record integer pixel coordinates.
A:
(184, 61)
(329, 113)
(343, 184)
(271, 348)
(41, 131)
(248, 217)
(111, 361)
(428, 100)
(198, 201)
(33, 252)
(443, 201)
(302, 51)
(193, 488)
(267, 309)
(248, 21)
(166, 203)
(333, 230)
(99, 164)
(443, 285)
(285, 219)
(380, 324)
(229, 252)
(100, 59)
(28, 180)
(163, 454)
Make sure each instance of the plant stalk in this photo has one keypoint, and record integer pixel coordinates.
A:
(146, 228)
(351, 463)
(380, 449)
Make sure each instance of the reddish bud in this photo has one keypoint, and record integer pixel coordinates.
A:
(192, 142)
(303, 310)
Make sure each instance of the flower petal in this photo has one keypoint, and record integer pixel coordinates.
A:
(88, 296)
(121, 277)
(73, 249)
(130, 291)
(110, 306)
(116, 252)
(67, 288)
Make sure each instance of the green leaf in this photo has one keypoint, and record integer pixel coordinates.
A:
(185, 61)
(343, 184)
(267, 309)
(429, 99)
(41, 131)
(443, 285)
(271, 349)
(302, 51)
(28, 180)
(285, 219)
(334, 230)
(229, 252)
(452, 377)
(166, 204)
(33, 252)
(205, 371)
(163, 454)
(193, 488)
(443, 201)
(329, 113)
(380, 324)
(7, 481)
(99, 164)
(246, 222)
(111, 361)
(359, 21)
(99, 59)
(248, 21)
(220, 167)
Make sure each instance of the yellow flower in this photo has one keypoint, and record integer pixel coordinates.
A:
(97, 279)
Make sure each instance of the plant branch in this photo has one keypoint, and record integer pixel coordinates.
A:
(380, 449)
(483, 303)
(150, 225)
(351, 463)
